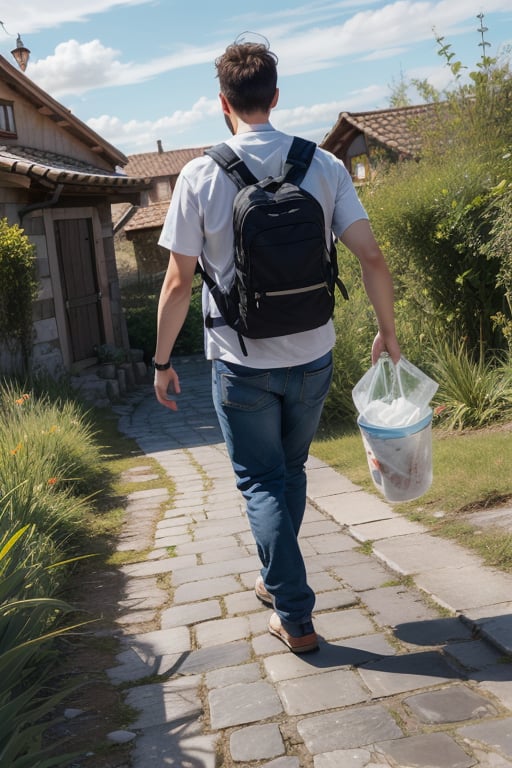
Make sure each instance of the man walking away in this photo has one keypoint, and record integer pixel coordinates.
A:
(269, 398)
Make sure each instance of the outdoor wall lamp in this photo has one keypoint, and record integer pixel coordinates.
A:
(21, 54)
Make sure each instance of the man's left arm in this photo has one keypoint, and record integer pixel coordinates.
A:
(359, 239)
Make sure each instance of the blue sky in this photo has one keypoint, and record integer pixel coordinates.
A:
(139, 71)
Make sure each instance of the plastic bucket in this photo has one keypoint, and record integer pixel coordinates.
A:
(399, 458)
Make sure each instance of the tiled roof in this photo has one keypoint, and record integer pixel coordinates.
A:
(155, 164)
(397, 128)
(149, 217)
(46, 166)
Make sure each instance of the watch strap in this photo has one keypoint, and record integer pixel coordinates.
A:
(161, 366)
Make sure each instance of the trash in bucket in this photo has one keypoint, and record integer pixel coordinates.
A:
(399, 458)
(395, 421)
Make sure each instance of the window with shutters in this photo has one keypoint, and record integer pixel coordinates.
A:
(7, 124)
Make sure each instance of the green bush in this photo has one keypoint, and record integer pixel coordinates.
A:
(18, 289)
(470, 394)
(429, 218)
(499, 213)
(140, 303)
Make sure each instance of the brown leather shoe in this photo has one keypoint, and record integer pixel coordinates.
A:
(307, 640)
(262, 593)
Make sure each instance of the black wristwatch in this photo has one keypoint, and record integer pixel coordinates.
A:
(161, 366)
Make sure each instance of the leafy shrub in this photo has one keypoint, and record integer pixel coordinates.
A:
(18, 286)
(499, 213)
(140, 303)
(429, 218)
(470, 394)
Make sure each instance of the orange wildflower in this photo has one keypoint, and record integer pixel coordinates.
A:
(17, 449)
(52, 481)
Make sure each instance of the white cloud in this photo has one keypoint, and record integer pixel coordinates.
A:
(34, 15)
(385, 53)
(290, 119)
(78, 68)
(139, 134)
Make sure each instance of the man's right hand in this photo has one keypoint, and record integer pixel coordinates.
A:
(165, 382)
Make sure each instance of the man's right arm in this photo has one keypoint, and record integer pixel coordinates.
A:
(173, 307)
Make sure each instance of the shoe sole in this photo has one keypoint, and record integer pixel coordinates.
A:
(306, 648)
(266, 601)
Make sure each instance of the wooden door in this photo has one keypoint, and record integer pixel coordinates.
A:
(82, 298)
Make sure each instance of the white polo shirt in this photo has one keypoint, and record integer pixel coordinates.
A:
(199, 223)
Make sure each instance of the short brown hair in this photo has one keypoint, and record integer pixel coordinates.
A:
(247, 75)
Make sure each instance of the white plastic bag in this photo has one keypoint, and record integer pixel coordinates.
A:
(390, 395)
(395, 424)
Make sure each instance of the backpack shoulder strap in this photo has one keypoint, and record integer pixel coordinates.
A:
(231, 164)
(298, 160)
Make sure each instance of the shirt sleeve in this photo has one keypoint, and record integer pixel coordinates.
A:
(347, 207)
(182, 231)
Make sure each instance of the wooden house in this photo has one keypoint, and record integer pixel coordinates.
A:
(58, 180)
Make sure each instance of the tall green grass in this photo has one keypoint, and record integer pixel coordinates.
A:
(50, 468)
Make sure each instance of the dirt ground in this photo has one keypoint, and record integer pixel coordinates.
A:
(85, 655)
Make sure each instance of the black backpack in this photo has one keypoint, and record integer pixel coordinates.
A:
(284, 272)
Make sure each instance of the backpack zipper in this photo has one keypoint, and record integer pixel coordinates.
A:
(259, 295)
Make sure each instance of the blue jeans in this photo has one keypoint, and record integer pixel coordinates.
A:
(268, 419)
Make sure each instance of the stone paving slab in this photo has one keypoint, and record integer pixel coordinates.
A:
(175, 746)
(450, 705)
(422, 553)
(407, 672)
(167, 702)
(470, 586)
(324, 481)
(495, 734)
(498, 681)
(385, 529)
(321, 692)
(355, 758)
(354, 508)
(333, 541)
(364, 575)
(244, 673)
(243, 703)
(221, 631)
(256, 742)
(427, 750)
(347, 623)
(473, 655)
(169, 565)
(348, 729)
(190, 613)
(496, 629)
(394, 605)
(216, 657)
